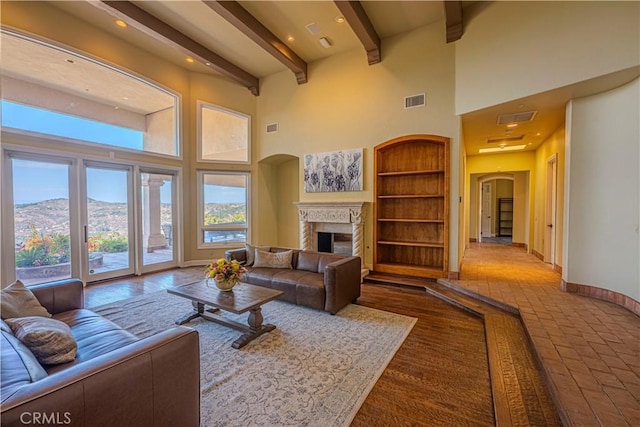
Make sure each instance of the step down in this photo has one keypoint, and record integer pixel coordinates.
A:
(519, 394)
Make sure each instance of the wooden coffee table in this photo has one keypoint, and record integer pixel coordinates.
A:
(244, 297)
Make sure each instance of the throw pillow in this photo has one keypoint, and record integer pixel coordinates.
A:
(273, 259)
(251, 252)
(16, 300)
(50, 340)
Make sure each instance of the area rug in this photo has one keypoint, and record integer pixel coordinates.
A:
(314, 369)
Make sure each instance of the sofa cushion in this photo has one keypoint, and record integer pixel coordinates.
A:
(273, 259)
(16, 300)
(50, 340)
(308, 261)
(251, 252)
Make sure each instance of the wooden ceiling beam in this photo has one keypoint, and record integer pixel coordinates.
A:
(246, 23)
(453, 16)
(357, 18)
(159, 30)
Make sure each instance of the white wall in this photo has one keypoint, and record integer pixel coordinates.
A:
(513, 49)
(602, 202)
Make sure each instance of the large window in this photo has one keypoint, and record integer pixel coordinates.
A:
(223, 208)
(224, 135)
(50, 90)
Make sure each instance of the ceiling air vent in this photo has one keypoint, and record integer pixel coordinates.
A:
(313, 28)
(525, 116)
(272, 128)
(505, 139)
(414, 101)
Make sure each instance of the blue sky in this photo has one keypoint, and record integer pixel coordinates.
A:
(37, 181)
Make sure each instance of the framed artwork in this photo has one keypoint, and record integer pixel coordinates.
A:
(333, 171)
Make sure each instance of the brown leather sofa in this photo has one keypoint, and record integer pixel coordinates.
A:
(116, 379)
(318, 280)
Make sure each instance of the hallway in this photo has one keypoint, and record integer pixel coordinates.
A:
(589, 349)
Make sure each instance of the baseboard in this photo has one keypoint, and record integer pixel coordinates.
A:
(453, 275)
(538, 255)
(557, 268)
(195, 263)
(473, 240)
(603, 294)
(519, 245)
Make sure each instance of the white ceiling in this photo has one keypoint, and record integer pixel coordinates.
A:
(289, 18)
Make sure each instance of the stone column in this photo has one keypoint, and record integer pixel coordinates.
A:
(152, 234)
(357, 227)
(305, 230)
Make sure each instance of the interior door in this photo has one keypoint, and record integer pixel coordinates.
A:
(550, 211)
(486, 210)
(108, 226)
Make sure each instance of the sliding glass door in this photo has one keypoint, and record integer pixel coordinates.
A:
(41, 219)
(158, 220)
(108, 226)
(68, 217)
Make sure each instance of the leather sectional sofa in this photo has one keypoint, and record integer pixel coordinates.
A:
(318, 280)
(116, 378)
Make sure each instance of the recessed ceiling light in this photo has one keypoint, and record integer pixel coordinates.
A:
(189, 60)
(125, 98)
(498, 149)
(290, 38)
(120, 23)
(512, 125)
(538, 134)
(340, 19)
(208, 64)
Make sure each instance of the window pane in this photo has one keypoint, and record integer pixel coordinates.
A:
(47, 122)
(157, 218)
(83, 99)
(224, 135)
(224, 216)
(42, 222)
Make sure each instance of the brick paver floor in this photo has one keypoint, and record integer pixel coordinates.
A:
(589, 349)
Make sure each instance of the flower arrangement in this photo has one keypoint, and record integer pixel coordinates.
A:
(223, 269)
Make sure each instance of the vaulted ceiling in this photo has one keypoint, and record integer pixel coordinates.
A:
(247, 40)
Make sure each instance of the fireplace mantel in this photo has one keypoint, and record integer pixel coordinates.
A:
(312, 215)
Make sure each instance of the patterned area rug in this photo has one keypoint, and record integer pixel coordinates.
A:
(314, 369)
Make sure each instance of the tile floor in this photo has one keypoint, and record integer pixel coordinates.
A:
(589, 349)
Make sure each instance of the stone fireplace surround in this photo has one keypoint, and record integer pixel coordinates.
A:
(332, 217)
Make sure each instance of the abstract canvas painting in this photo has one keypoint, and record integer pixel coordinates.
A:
(333, 171)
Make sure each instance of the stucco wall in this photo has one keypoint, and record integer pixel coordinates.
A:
(348, 104)
(513, 49)
(602, 209)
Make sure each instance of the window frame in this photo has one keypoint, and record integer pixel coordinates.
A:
(200, 106)
(114, 68)
(201, 244)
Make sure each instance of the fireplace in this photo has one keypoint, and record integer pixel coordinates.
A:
(333, 227)
(336, 243)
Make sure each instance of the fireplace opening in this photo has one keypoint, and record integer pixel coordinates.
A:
(337, 243)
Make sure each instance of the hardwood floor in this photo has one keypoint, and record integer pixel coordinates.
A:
(439, 376)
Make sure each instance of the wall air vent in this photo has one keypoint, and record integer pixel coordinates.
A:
(525, 116)
(272, 128)
(414, 101)
(505, 139)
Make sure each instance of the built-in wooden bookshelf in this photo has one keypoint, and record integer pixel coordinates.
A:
(412, 206)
